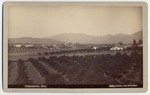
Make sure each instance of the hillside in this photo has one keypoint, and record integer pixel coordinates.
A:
(31, 40)
(88, 39)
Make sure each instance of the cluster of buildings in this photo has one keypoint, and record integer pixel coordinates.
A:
(123, 47)
(44, 46)
(116, 47)
(17, 45)
(120, 47)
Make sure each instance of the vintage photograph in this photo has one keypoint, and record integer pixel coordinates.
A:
(75, 46)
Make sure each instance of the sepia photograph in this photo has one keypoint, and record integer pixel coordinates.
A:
(73, 46)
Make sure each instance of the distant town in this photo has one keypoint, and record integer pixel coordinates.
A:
(120, 46)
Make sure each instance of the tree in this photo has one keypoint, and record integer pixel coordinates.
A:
(140, 42)
(45, 53)
(120, 43)
(39, 53)
(134, 45)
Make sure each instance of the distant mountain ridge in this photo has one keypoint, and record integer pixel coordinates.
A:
(73, 38)
(88, 39)
(31, 40)
(79, 38)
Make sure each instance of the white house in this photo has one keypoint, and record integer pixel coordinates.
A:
(95, 48)
(28, 45)
(116, 48)
(17, 45)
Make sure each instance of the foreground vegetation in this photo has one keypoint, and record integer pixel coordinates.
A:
(82, 70)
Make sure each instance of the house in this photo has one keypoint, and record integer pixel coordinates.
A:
(28, 45)
(95, 48)
(125, 47)
(43, 46)
(119, 47)
(17, 45)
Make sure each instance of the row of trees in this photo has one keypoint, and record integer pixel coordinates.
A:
(99, 69)
(22, 78)
(87, 70)
(50, 77)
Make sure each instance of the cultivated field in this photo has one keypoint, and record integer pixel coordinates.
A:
(29, 53)
(90, 68)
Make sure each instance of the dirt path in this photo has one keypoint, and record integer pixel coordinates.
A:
(33, 74)
(52, 70)
(13, 73)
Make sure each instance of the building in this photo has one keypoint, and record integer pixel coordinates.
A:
(95, 48)
(28, 45)
(17, 45)
(120, 47)
(116, 48)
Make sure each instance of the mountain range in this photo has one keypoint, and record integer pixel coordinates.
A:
(80, 38)
(31, 40)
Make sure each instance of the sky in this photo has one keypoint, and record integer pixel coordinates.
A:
(46, 21)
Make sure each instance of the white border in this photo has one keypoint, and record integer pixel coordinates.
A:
(145, 50)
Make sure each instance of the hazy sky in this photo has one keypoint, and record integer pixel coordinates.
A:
(33, 21)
